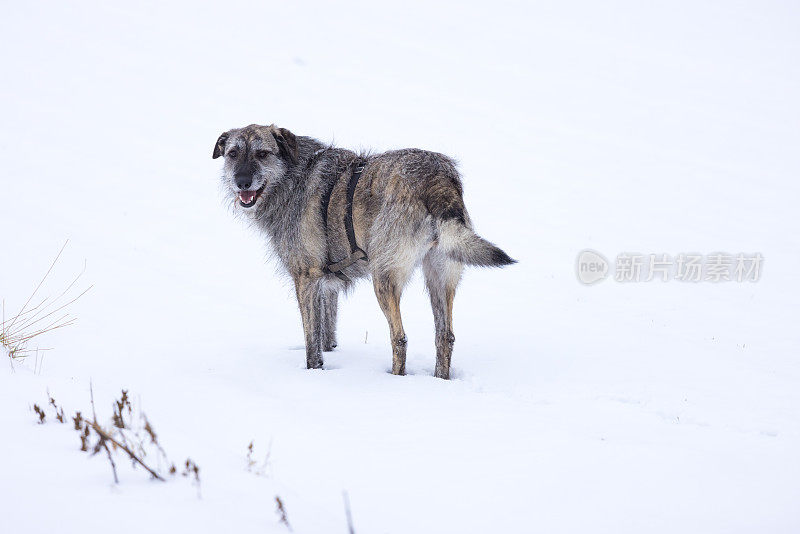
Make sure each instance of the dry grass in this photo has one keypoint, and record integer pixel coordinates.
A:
(128, 434)
(280, 509)
(253, 466)
(34, 320)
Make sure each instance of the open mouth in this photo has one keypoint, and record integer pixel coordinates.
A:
(248, 198)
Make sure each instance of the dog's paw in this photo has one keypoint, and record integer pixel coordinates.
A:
(314, 364)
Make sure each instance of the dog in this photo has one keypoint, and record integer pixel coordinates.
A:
(379, 215)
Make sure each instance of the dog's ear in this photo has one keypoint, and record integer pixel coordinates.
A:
(219, 147)
(287, 143)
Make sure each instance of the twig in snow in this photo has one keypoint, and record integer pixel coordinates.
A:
(282, 513)
(39, 413)
(350, 528)
(129, 431)
(59, 411)
(252, 464)
(101, 442)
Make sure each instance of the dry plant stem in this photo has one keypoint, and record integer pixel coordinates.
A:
(350, 528)
(40, 284)
(32, 351)
(31, 321)
(40, 332)
(282, 513)
(102, 441)
(27, 323)
(58, 297)
(40, 413)
(105, 436)
(111, 459)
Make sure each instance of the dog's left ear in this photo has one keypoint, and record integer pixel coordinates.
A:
(287, 143)
(219, 147)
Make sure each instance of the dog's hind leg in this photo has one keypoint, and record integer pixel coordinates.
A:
(388, 289)
(330, 306)
(442, 275)
(309, 298)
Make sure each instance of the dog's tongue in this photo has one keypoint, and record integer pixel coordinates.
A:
(247, 196)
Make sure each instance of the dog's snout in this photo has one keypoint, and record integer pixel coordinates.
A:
(243, 181)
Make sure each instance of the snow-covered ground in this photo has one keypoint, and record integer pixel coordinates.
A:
(639, 407)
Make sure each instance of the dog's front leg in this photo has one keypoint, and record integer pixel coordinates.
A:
(330, 306)
(309, 298)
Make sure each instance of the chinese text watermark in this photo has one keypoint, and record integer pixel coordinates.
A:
(592, 267)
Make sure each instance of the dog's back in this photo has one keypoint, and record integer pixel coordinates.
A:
(417, 200)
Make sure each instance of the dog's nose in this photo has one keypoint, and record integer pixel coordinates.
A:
(243, 181)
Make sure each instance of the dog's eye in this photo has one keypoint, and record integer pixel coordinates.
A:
(232, 154)
(261, 154)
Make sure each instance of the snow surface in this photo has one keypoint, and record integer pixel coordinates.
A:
(650, 407)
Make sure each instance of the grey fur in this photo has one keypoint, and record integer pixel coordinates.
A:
(408, 211)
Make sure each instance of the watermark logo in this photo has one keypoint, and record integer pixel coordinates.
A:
(592, 267)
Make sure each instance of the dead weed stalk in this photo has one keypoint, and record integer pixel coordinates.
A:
(34, 320)
(129, 434)
(258, 469)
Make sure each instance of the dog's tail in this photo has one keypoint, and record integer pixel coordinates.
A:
(444, 201)
(460, 243)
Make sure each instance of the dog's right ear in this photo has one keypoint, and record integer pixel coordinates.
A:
(287, 143)
(219, 147)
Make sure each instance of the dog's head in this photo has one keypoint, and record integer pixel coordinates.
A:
(255, 157)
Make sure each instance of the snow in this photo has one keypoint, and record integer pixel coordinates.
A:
(658, 407)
